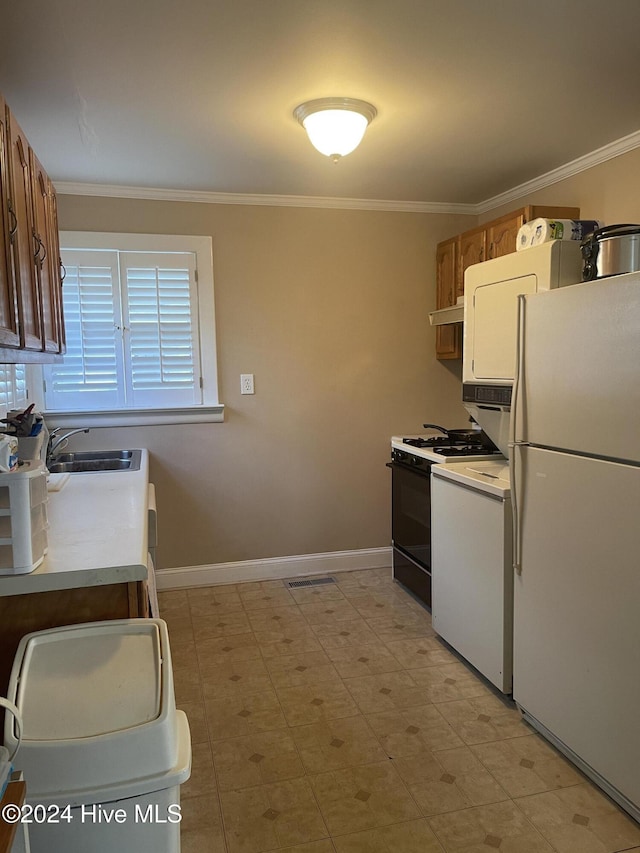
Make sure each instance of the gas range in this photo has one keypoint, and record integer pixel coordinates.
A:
(434, 447)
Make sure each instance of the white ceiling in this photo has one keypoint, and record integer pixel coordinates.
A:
(474, 97)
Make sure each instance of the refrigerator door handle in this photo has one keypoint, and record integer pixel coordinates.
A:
(515, 442)
(516, 491)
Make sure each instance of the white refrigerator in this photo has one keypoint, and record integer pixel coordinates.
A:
(575, 484)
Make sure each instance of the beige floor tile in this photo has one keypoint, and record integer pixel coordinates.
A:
(202, 781)
(581, 819)
(180, 628)
(339, 743)
(328, 612)
(417, 654)
(213, 601)
(324, 846)
(365, 797)
(414, 836)
(500, 826)
(261, 599)
(234, 678)
(354, 661)
(256, 760)
(449, 682)
(235, 716)
(390, 628)
(288, 640)
(350, 632)
(221, 650)
(305, 669)
(407, 732)
(365, 577)
(173, 602)
(186, 684)
(224, 624)
(448, 780)
(194, 592)
(326, 701)
(272, 816)
(277, 618)
(484, 719)
(386, 692)
(386, 604)
(257, 586)
(318, 594)
(527, 765)
(201, 828)
(197, 720)
(184, 655)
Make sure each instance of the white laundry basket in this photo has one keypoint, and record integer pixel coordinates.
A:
(104, 749)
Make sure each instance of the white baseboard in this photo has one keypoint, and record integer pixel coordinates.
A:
(274, 568)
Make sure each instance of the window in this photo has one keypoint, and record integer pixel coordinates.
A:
(140, 331)
(13, 387)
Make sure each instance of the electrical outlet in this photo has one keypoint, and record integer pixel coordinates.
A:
(246, 383)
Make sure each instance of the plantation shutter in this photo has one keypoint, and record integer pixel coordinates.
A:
(90, 376)
(161, 329)
(131, 322)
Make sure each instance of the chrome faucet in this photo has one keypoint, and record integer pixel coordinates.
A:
(55, 442)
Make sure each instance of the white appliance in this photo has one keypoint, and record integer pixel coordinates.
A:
(491, 291)
(575, 480)
(472, 570)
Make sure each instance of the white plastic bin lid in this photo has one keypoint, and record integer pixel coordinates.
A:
(90, 681)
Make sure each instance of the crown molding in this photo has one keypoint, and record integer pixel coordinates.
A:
(200, 197)
(581, 164)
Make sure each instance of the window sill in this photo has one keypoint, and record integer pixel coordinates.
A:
(136, 417)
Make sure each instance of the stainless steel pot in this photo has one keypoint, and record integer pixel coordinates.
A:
(612, 250)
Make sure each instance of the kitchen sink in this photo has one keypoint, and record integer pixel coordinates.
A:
(90, 461)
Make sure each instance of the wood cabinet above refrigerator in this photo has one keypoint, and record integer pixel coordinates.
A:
(453, 256)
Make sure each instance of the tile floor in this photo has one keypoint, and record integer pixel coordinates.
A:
(333, 720)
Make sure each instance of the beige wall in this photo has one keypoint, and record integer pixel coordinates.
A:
(610, 192)
(328, 309)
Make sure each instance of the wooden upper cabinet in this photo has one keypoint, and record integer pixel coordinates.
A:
(472, 250)
(9, 334)
(502, 233)
(449, 337)
(31, 322)
(46, 257)
(488, 241)
(23, 245)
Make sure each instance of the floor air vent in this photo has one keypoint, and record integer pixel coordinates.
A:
(309, 582)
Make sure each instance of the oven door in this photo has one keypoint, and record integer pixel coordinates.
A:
(411, 528)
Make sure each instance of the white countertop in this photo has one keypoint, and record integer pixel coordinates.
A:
(489, 477)
(97, 533)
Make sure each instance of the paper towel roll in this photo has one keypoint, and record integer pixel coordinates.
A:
(541, 230)
(523, 240)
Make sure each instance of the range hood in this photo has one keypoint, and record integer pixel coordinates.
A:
(444, 316)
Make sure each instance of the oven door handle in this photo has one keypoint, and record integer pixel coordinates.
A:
(426, 475)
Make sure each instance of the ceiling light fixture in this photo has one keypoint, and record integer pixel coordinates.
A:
(335, 126)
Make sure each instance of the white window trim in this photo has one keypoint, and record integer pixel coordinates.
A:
(211, 410)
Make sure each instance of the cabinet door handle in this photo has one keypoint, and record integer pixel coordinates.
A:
(63, 271)
(44, 252)
(14, 225)
(37, 244)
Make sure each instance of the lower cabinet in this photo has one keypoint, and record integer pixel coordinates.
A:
(23, 614)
